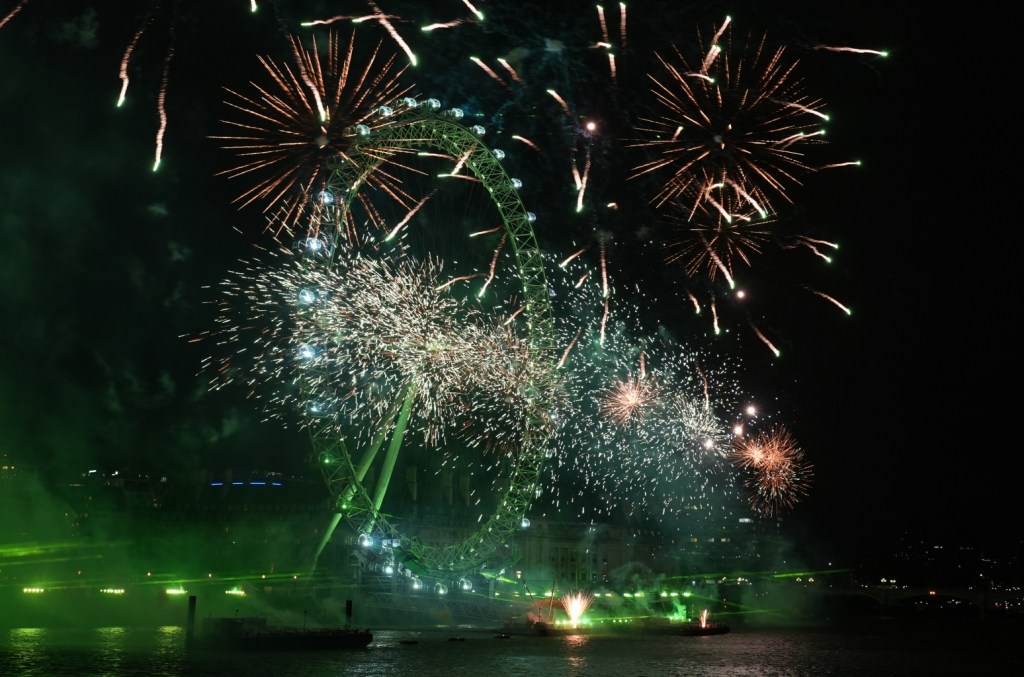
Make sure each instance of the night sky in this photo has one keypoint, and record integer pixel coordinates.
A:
(106, 266)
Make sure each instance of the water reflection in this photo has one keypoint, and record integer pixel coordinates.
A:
(576, 641)
(909, 649)
(24, 643)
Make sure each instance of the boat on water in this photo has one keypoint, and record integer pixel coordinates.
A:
(547, 629)
(253, 634)
(698, 629)
(536, 627)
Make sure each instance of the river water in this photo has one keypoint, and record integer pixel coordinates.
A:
(871, 649)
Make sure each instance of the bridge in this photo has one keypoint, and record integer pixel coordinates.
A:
(891, 598)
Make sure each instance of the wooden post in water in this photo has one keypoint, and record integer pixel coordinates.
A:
(190, 627)
(348, 613)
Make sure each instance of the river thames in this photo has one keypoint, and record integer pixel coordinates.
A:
(900, 648)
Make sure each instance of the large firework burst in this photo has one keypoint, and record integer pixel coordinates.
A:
(340, 344)
(291, 132)
(737, 120)
(641, 429)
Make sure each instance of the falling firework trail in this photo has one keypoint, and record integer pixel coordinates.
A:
(161, 104)
(10, 15)
(529, 143)
(855, 50)
(383, 20)
(487, 69)
(511, 71)
(126, 58)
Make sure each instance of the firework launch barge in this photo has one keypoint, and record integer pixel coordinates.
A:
(253, 634)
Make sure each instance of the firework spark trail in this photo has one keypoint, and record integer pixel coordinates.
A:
(10, 15)
(405, 220)
(303, 66)
(383, 20)
(704, 380)
(721, 31)
(126, 57)
(561, 102)
(529, 143)
(850, 163)
(764, 339)
(513, 316)
(494, 266)
(622, 24)
(572, 256)
(437, 26)
(803, 108)
(511, 71)
(833, 301)
(487, 69)
(456, 279)
(336, 19)
(693, 300)
(581, 186)
(123, 70)
(486, 232)
(461, 162)
(812, 244)
(161, 104)
(855, 50)
(477, 13)
(568, 348)
(817, 252)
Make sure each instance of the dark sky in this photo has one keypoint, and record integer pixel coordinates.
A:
(105, 263)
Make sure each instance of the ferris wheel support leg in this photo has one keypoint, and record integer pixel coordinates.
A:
(368, 456)
(328, 532)
(396, 443)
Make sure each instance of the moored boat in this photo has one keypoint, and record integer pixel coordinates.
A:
(253, 634)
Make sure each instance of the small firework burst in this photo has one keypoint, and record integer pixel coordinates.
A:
(628, 400)
(779, 475)
(722, 234)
